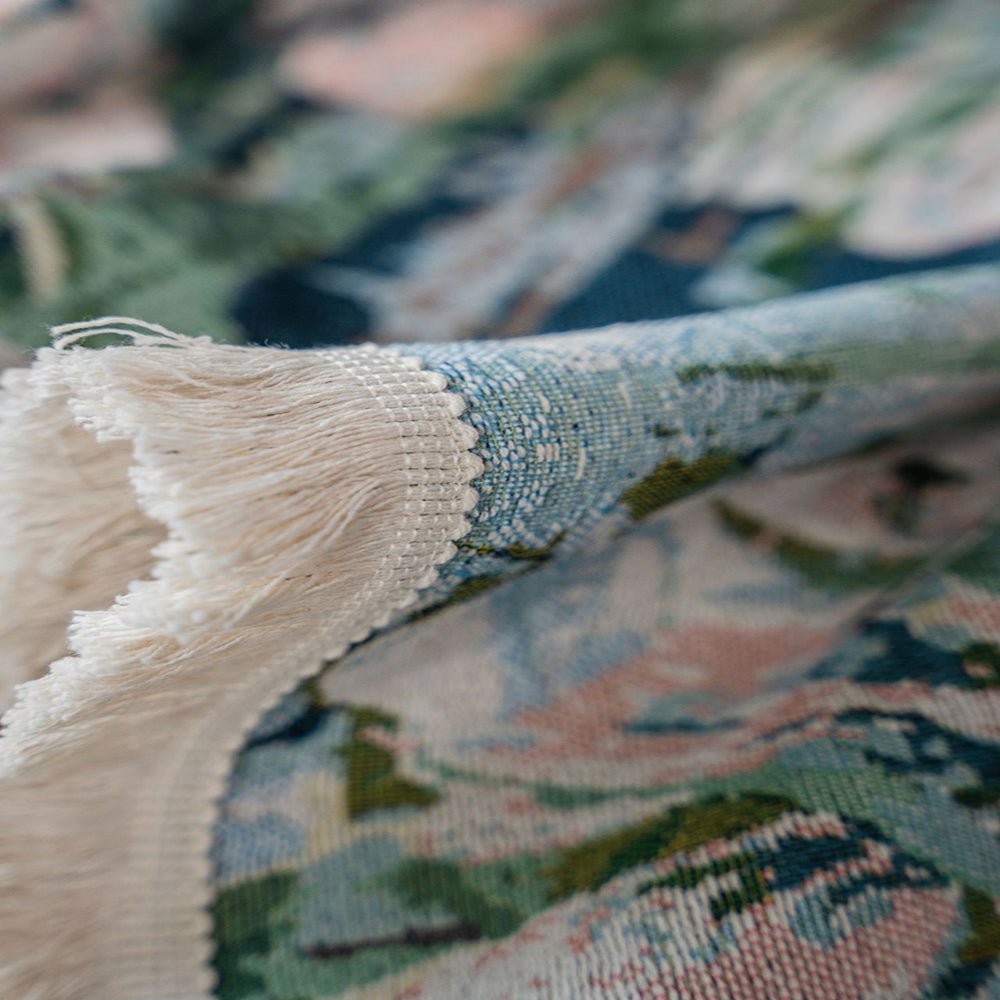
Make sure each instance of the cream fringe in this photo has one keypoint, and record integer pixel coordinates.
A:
(211, 522)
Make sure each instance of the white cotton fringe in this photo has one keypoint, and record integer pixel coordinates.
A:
(189, 529)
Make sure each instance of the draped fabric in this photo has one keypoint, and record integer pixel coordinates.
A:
(539, 539)
(705, 704)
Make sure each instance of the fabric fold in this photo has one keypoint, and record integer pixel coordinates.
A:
(200, 526)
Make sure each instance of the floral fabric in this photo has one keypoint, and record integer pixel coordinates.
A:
(632, 744)
(707, 703)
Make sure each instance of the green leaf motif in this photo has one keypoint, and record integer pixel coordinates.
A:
(372, 781)
(674, 479)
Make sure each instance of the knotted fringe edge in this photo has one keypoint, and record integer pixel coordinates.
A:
(246, 512)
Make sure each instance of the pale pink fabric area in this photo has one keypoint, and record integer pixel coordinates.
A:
(420, 62)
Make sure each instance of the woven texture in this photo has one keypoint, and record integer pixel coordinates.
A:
(598, 600)
(739, 745)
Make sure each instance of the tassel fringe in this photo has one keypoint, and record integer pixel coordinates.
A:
(190, 528)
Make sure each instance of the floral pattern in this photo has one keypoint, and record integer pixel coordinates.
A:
(707, 703)
(752, 748)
